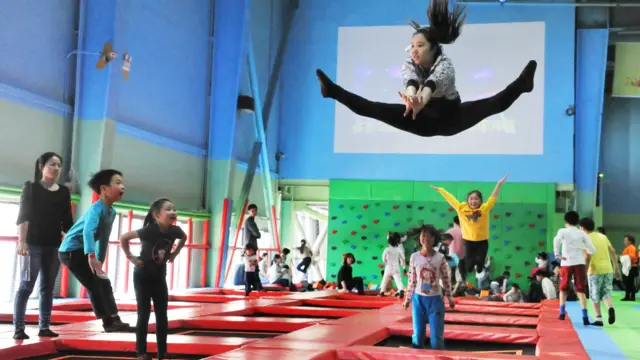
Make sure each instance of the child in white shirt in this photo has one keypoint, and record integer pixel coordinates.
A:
(429, 282)
(569, 246)
(394, 262)
(251, 278)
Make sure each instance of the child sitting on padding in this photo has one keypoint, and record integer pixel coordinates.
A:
(346, 281)
(514, 295)
(500, 284)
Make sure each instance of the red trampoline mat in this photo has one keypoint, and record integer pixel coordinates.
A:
(465, 345)
(72, 355)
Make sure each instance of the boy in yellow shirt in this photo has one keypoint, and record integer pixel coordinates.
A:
(602, 266)
(474, 222)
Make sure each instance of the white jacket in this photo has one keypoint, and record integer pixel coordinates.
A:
(626, 264)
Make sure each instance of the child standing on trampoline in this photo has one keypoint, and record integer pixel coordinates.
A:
(474, 222)
(157, 237)
(393, 258)
(429, 282)
(84, 248)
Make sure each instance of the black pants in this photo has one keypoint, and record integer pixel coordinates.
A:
(251, 279)
(630, 283)
(356, 283)
(99, 289)
(462, 269)
(440, 117)
(476, 254)
(149, 288)
(304, 265)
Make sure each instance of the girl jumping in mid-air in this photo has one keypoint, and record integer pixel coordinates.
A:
(157, 237)
(474, 222)
(429, 281)
(431, 95)
(393, 257)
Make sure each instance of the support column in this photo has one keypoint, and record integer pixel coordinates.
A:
(592, 45)
(229, 45)
(94, 137)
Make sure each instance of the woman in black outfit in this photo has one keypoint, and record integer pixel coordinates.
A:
(150, 275)
(45, 214)
(346, 281)
(429, 77)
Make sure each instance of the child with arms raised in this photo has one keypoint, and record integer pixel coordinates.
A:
(84, 248)
(474, 222)
(429, 282)
(150, 274)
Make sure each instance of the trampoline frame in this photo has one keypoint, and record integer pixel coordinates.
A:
(334, 330)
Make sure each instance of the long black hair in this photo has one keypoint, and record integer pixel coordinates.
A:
(444, 26)
(155, 207)
(41, 162)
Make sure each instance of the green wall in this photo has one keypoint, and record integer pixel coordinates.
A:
(523, 222)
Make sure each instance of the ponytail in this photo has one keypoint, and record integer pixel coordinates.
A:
(37, 176)
(155, 207)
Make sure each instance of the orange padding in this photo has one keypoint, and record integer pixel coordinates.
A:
(307, 311)
(384, 353)
(496, 310)
(490, 319)
(558, 339)
(280, 354)
(498, 304)
(475, 333)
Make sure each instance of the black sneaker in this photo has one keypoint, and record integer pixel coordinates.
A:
(612, 316)
(561, 317)
(585, 321)
(597, 323)
(47, 333)
(381, 294)
(20, 335)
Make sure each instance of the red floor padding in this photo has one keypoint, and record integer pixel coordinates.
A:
(320, 325)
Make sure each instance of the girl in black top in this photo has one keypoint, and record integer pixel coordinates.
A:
(150, 275)
(346, 281)
(45, 214)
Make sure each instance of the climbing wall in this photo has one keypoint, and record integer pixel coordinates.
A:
(518, 234)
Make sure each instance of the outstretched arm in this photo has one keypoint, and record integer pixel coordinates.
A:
(447, 196)
(496, 190)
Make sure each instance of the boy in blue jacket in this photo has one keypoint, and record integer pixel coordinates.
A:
(84, 247)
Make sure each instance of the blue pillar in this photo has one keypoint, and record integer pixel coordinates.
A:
(93, 137)
(229, 47)
(592, 45)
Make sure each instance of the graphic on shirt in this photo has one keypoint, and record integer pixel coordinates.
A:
(429, 280)
(477, 214)
(161, 251)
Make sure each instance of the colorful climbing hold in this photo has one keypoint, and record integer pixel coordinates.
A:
(442, 215)
(353, 246)
(380, 266)
(365, 207)
(374, 258)
(496, 217)
(353, 233)
(343, 222)
(518, 248)
(363, 227)
(409, 206)
(396, 224)
(334, 232)
(365, 248)
(386, 214)
(540, 216)
(541, 243)
(341, 206)
(507, 214)
(333, 276)
(449, 209)
(518, 275)
(334, 248)
(351, 207)
(409, 220)
(363, 238)
(508, 228)
(358, 217)
(492, 227)
(375, 236)
(359, 262)
(420, 208)
(377, 204)
(531, 226)
(395, 207)
(334, 217)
